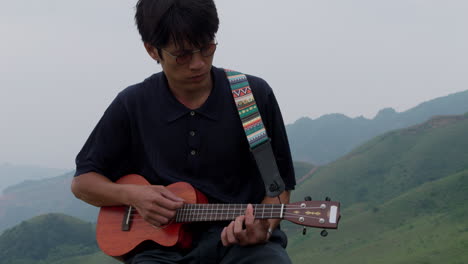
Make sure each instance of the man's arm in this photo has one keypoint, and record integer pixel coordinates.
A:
(155, 203)
(256, 230)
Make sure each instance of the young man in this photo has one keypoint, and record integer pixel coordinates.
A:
(182, 125)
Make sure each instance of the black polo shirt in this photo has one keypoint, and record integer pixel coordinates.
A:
(147, 131)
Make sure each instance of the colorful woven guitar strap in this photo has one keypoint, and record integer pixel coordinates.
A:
(247, 108)
(256, 133)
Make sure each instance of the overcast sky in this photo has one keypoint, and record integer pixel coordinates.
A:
(62, 62)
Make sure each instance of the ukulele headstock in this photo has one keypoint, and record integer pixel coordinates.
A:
(320, 214)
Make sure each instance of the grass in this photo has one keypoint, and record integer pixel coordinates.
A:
(400, 231)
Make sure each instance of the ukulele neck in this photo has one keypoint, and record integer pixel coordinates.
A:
(226, 212)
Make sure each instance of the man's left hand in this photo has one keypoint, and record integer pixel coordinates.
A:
(245, 230)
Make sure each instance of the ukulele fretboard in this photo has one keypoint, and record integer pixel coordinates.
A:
(225, 212)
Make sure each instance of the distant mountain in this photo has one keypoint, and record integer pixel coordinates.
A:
(329, 137)
(50, 238)
(13, 174)
(32, 198)
(403, 197)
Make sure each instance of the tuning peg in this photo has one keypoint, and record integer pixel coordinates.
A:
(327, 199)
(307, 198)
(324, 233)
(304, 231)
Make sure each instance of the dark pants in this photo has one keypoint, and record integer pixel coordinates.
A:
(208, 249)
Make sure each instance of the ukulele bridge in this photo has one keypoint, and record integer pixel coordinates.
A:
(127, 219)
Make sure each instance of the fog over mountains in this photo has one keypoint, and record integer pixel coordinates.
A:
(13, 174)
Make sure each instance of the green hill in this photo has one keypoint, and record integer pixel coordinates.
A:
(425, 225)
(33, 198)
(51, 238)
(403, 198)
(393, 163)
(331, 136)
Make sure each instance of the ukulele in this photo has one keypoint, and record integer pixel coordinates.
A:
(120, 230)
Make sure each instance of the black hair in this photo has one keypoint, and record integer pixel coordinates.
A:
(159, 22)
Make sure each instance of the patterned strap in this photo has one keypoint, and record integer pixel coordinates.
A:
(256, 134)
(247, 108)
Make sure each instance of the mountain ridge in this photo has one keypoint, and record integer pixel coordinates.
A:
(12, 174)
(325, 139)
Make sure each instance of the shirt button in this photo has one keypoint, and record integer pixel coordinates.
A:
(192, 113)
(193, 152)
(192, 133)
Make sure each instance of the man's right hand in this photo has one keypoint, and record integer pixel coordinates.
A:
(155, 203)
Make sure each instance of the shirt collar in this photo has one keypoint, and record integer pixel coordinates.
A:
(172, 109)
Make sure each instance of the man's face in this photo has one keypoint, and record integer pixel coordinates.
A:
(187, 69)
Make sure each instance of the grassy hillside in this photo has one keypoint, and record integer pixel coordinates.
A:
(303, 170)
(428, 224)
(47, 238)
(403, 199)
(51, 239)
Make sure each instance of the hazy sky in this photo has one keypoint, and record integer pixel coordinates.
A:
(62, 62)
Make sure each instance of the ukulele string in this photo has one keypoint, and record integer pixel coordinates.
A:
(229, 214)
(201, 219)
(243, 209)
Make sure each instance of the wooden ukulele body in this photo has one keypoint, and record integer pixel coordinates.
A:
(115, 242)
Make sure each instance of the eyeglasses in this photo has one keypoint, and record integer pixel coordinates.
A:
(185, 56)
